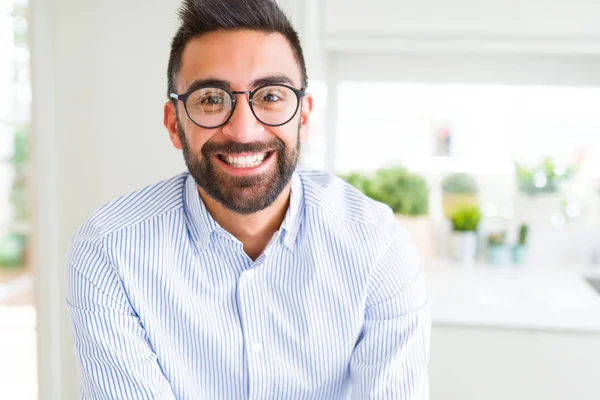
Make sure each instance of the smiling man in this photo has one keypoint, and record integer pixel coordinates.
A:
(245, 277)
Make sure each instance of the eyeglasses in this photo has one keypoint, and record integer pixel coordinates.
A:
(212, 107)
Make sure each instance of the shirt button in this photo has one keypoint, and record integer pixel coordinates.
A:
(249, 275)
(256, 347)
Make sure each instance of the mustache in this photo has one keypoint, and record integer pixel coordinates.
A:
(210, 149)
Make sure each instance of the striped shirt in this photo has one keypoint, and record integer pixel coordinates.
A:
(165, 304)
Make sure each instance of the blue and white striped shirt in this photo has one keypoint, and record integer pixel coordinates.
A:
(165, 304)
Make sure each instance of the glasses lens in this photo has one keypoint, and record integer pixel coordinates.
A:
(209, 107)
(274, 105)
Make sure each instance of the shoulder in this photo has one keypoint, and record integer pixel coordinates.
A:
(349, 222)
(332, 195)
(138, 206)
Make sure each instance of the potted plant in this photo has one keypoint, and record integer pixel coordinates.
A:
(465, 221)
(544, 177)
(497, 252)
(458, 189)
(539, 189)
(406, 193)
(408, 196)
(520, 249)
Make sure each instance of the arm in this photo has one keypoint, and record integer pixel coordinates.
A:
(391, 356)
(114, 356)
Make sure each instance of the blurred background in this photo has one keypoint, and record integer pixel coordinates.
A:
(475, 120)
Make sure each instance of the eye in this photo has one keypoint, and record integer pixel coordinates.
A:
(208, 98)
(270, 98)
(270, 95)
(211, 100)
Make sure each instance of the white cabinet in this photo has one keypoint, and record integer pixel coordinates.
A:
(481, 363)
(478, 364)
(566, 366)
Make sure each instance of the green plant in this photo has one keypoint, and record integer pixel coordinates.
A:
(543, 177)
(19, 162)
(496, 239)
(523, 233)
(406, 193)
(20, 153)
(466, 219)
(12, 250)
(459, 183)
(13, 245)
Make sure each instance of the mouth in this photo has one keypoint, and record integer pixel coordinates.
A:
(246, 162)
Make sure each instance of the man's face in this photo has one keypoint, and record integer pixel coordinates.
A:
(227, 162)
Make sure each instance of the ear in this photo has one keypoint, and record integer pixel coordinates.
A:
(170, 122)
(305, 110)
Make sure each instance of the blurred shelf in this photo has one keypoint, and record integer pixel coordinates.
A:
(21, 227)
(15, 122)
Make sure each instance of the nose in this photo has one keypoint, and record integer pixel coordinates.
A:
(243, 127)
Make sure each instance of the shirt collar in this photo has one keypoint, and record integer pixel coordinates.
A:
(200, 222)
(202, 225)
(293, 217)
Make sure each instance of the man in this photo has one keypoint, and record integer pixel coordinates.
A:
(245, 278)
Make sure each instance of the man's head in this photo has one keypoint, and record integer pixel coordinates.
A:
(224, 47)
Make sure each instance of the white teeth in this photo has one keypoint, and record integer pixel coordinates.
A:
(251, 161)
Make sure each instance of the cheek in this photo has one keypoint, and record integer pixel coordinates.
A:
(288, 133)
(196, 137)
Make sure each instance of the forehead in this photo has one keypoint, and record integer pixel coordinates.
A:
(238, 57)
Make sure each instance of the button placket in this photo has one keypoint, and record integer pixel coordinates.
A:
(251, 302)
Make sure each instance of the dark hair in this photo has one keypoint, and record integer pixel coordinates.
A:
(199, 17)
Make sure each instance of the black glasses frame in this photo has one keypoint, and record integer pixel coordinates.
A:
(300, 93)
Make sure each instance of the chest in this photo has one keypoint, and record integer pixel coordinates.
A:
(300, 308)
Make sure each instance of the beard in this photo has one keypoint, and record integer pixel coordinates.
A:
(241, 194)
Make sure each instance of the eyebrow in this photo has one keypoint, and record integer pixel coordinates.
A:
(221, 83)
(271, 80)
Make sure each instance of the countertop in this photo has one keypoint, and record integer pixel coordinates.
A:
(531, 297)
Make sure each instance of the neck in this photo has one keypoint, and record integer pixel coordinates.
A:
(253, 230)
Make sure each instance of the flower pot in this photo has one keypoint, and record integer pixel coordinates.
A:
(422, 232)
(498, 255)
(463, 246)
(519, 254)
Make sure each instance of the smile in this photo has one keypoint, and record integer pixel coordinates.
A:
(250, 160)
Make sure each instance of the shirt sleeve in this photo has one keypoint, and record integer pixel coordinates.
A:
(115, 358)
(391, 356)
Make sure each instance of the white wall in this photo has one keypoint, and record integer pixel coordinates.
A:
(486, 18)
(99, 71)
(511, 69)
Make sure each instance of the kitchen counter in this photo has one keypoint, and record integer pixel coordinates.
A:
(513, 297)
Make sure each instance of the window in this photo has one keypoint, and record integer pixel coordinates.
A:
(489, 125)
(484, 130)
(17, 331)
